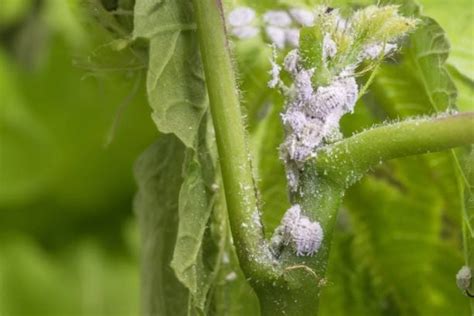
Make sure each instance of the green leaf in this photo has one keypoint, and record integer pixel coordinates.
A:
(157, 173)
(175, 81)
(95, 278)
(199, 242)
(395, 241)
(349, 288)
(13, 10)
(465, 90)
(420, 84)
(458, 21)
(23, 135)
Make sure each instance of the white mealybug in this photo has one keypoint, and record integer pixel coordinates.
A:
(275, 75)
(303, 84)
(312, 116)
(295, 121)
(312, 109)
(282, 28)
(276, 35)
(376, 50)
(340, 94)
(302, 17)
(329, 47)
(291, 62)
(463, 278)
(277, 18)
(241, 16)
(299, 232)
(245, 32)
(292, 36)
(342, 24)
(240, 23)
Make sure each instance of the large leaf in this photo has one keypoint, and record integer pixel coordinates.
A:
(399, 224)
(158, 174)
(175, 81)
(394, 254)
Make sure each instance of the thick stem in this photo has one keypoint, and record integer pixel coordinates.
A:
(346, 161)
(305, 276)
(231, 142)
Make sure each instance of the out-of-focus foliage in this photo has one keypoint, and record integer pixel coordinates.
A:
(73, 118)
(456, 20)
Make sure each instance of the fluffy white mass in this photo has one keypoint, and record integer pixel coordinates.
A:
(277, 18)
(241, 16)
(320, 92)
(329, 47)
(302, 17)
(299, 232)
(245, 32)
(276, 35)
(240, 23)
(376, 50)
(281, 27)
(313, 115)
(463, 278)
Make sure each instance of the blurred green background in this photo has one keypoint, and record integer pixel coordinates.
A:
(73, 118)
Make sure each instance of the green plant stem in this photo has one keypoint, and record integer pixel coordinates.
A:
(346, 161)
(231, 141)
(291, 285)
